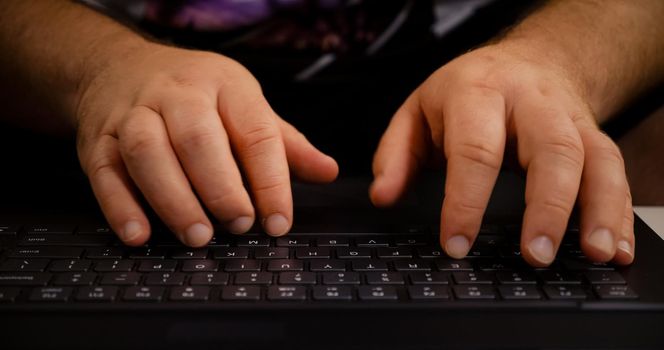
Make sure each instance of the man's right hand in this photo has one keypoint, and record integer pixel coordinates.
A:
(181, 128)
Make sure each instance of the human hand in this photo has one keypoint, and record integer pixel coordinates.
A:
(180, 127)
(499, 95)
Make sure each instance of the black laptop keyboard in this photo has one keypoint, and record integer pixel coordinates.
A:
(59, 263)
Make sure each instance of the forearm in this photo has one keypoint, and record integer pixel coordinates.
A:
(51, 49)
(612, 50)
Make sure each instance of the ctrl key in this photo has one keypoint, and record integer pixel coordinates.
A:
(8, 295)
(56, 294)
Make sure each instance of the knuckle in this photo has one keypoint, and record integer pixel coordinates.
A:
(258, 137)
(566, 148)
(138, 140)
(270, 185)
(480, 153)
(196, 136)
(558, 205)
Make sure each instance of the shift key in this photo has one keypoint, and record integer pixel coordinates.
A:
(47, 252)
(24, 279)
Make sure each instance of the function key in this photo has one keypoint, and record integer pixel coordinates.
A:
(8, 295)
(209, 279)
(151, 294)
(292, 242)
(9, 230)
(565, 292)
(474, 292)
(332, 293)
(395, 253)
(412, 265)
(604, 277)
(106, 293)
(615, 292)
(199, 293)
(377, 293)
(453, 265)
(372, 242)
(332, 242)
(59, 294)
(27, 265)
(428, 293)
(50, 229)
(248, 293)
(253, 242)
(188, 253)
(527, 292)
(413, 241)
(94, 229)
(287, 293)
(104, 253)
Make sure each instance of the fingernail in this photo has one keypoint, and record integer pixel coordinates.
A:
(197, 235)
(626, 247)
(240, 225)
(132, 229)
(541, 248)
(276, 225)
(457, 247)
(602, 239)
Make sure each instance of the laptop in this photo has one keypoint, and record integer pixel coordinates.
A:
(348, 276)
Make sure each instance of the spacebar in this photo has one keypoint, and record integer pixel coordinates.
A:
(47, 252)
(65, 240)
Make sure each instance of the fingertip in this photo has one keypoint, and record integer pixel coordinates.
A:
(624, 253)
(276, 225)
(599, 245)
(240, 225)
(197, 235)
(457, 246)
(134, 233)
(380, 192)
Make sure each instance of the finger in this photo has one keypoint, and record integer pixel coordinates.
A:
(304, 160)
(151, 162)
(474, 144)
(551, 151)
(115, 194)
(257, 141)
(202, 146)
(402, 151)
(626, 242)
(602, 194)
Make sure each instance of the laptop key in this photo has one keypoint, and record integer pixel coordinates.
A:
(50, 229)
(516, 277)
(200, 266)
(384, 278)
(312, 253)
(604, 277)
(51, 294)
(74, 279)
(157, 266)
(453, 265)
(114, 265)
(242, 265)
(413, 241)
(230, 253)
(165, 279)
(372, 242)
(96, 294)
(120, 278)
(327, 265)
(9, 230)
(8, 295)
(612, 292)
(368, 265)
(565, 292)
(428, 293)
(70, 265)
(247, 293)
(412, 265)
(522, 292)
(209, 279)
(297, 278)
(271, 253)
(293, 242)
(280, 265)
(64, 240)
(143, 293)
(253, 278)
(474, 292)
(94, 229)
(253, 242)
(332, 242)
(332, 293)
(24, 279)
(572, 264)
(287, 293)
(188, 253)
(104, 253)
(353, 253)
(25, 265)
(377, 293)
(198, 293)
(473, 277)
(47, 252)
(148, 253)
(559, 277)
(341, 278)
(392, 253)
(429, 253)
(429, 277)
